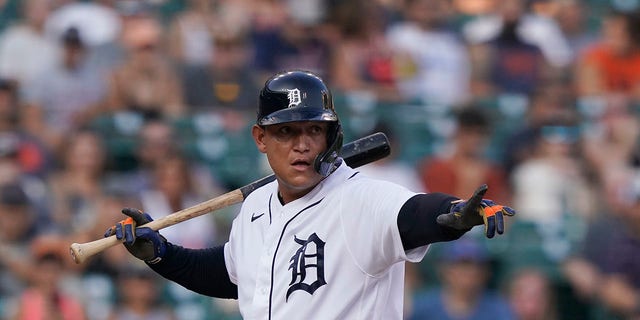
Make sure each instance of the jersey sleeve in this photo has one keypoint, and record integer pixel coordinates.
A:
(369, 212)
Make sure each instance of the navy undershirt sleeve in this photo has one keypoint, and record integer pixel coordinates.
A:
(417, 220)
(200, 270)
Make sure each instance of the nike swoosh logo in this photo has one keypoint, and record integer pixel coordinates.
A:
(254, 217)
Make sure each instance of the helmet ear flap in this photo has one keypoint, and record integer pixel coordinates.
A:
(328, 161)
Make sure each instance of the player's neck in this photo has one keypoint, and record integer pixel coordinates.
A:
(286, 194)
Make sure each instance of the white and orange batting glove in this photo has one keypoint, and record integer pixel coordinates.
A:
(465, 214)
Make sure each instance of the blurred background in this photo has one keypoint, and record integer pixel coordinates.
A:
(148, 103)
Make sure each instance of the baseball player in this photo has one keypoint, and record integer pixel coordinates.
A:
(322, 241)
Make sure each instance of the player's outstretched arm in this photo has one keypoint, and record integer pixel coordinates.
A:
(437, 217)
(465, 214)
(417, 220)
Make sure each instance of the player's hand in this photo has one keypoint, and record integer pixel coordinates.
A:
(465, 214)
(143, 243)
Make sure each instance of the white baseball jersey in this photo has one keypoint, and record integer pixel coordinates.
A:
(335, 253)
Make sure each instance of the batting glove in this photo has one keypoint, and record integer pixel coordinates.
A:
(465, 214)
(143, 243)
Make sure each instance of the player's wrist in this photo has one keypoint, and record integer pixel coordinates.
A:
(159, 248)
(149, 246)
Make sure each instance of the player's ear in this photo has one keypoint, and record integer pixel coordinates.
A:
(258, 136)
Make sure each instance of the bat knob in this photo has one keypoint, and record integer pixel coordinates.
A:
(76, 252)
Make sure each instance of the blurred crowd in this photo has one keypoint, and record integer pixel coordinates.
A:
(106, 104)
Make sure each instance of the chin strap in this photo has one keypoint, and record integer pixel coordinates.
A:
(326, 168)
(326, 162)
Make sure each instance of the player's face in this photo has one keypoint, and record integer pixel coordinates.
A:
(291, 149)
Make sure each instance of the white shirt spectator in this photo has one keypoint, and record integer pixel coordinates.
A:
(434, 65)
(536, 30)
(25, 54)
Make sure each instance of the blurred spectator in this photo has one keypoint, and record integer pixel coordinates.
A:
(612, 65)
(47, 297)
(190, 34)
(79, 182)
(18, 228)
(191, 31)
(391, 168)
(572, 17)
(10, 167)
(99, 27)
(286, 44)
(552, 183)
(12, 151)
(464, 166)
(513, 18)
(155, 140)
(514, 49)
(138, 296)
(31, 154)
(555, 198)
(549, 102)
(531, 295)
(25, 51)
(146, 82)
(363, 58)
(158, 140)
(431, 63)
(268, 15)
(610, 144)
(309, 12)
(620, 284)
(227, 82)
(18, 219)
(464, 291)
(67, 96)
(583, 269)
(172, 191)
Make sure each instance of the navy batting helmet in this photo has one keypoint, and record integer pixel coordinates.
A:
(298, 95)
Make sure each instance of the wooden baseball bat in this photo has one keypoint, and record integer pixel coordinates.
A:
(357, 153)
